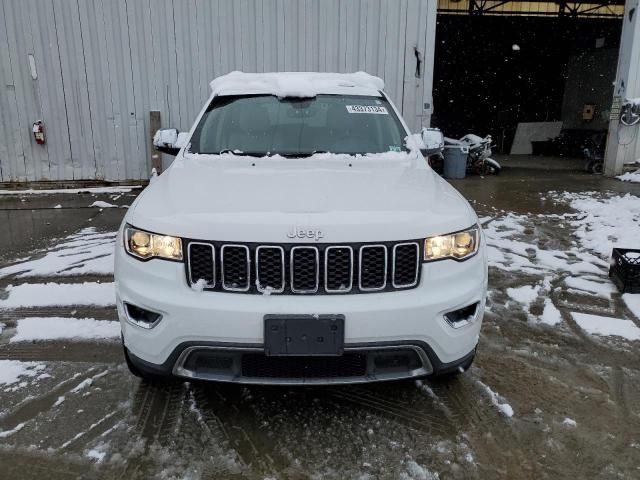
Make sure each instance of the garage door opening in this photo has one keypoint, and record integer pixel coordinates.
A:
(537, 76)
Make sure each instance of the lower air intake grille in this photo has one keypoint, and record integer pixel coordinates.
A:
(261, 366)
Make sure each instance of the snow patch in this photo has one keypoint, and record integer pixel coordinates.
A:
(48, 328)
(59, 294)
(497, 401)
(101, 204)
(569, 422)
(632, 301)
(601, 289)
(11, 371)
(605, 223)
(633, 177)
(607, 326)
(84, 252)
(7, 433)
(295, 84)
(550, 315)
(525, 295)
(31, 191)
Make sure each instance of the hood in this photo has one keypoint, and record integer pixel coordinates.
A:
(247, 199)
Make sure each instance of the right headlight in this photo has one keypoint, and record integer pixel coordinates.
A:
(144, 245)
(458, 245)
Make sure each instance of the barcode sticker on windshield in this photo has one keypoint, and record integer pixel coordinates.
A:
(367, 109)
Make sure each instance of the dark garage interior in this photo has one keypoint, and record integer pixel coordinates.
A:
(493, 71)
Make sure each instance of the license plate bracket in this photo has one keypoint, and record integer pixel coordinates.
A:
(303, 335)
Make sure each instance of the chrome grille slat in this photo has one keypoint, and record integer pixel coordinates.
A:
(409, 271)
(301, 275)
(370, 279)
(328, 272)
(268, 270)
(235, 270)
(323, 269)
(200, 258)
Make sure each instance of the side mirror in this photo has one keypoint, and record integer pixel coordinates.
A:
(414, 142)
(170, 141)
(433, 139)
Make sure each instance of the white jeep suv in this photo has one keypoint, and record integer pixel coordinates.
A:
(299, 237)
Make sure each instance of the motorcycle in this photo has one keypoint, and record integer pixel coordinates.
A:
(479, 160)
(593, 152)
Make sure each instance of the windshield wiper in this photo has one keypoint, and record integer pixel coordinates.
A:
(301, 154)
(240, 153)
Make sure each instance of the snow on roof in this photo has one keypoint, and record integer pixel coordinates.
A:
(297, 84)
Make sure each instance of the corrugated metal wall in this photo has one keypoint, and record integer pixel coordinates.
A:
(103, 65)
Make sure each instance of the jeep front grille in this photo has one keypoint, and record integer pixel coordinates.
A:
(303, 269)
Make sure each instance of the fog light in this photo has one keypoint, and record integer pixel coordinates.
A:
(463, 316)
(142, 317)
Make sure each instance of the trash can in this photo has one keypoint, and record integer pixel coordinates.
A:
(455, 161)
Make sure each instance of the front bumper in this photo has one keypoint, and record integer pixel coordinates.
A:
(412, 320)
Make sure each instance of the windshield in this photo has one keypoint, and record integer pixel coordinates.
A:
(262, 125)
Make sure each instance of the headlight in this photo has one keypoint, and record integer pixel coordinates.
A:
(459, 245)
(145, 245)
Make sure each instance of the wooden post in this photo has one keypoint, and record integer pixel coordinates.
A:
(154, 126)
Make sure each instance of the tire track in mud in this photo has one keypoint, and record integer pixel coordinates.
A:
(392, 408)
(157, 407)
(38, 466)
(32, 407)
(218, 407)
(96, 352)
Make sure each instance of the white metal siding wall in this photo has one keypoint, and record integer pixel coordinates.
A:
(103, 65)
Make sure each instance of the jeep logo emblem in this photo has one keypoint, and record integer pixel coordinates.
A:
(309, 233)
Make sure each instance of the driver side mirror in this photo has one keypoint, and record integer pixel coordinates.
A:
(433, 139)
(170, 141)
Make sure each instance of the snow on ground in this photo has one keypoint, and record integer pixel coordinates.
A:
(84, 252)
(11, 371)
(605, 223)
(497, 400)
(633, 177)
(601, 289)
(607, 326)
(50, 328)
(101, 204)
(16, 429)
(525, 295)
(122, 189)
(59, 294)
(631, 300)
(550, 314)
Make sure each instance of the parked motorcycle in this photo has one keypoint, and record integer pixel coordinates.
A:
(479, 160)
(593, 151)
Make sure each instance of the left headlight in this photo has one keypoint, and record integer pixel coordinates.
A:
(458, 245)
(146, 245)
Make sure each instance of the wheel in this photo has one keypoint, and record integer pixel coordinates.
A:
(494, 167)
(482, 168)
(595, 167)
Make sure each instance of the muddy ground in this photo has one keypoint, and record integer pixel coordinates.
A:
(575, 397)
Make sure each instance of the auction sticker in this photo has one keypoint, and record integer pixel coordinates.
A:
(375, 109)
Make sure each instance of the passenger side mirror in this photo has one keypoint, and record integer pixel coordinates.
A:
(433, 139)
(170, 141)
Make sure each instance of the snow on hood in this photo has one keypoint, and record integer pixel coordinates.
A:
(235, 198)
(296, 84)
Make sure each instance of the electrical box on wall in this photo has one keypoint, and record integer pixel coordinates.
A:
(588, 112)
